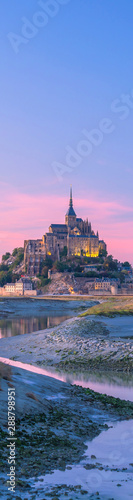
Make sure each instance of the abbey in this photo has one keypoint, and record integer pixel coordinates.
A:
(76, 234)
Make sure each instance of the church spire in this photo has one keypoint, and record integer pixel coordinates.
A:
(71, 199)
(70, 218)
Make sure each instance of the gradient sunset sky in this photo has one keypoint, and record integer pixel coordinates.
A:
(57, 80)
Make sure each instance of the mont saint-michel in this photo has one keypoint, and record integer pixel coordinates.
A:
(76, 235)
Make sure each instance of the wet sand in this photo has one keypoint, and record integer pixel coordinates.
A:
(54, 420)
(78, 344)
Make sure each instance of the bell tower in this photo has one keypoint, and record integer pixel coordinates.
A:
(70, 218)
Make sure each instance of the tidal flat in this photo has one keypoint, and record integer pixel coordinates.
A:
(61, 428)
(54, 422)
(19, 316)
(79, 344)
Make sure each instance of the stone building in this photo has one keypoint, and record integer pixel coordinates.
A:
(20, 287)
(76, 234)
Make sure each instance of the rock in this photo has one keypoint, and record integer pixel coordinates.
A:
(89, 466)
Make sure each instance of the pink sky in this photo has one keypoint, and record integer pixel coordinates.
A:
(25, 216)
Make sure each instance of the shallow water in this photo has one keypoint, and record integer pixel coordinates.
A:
(113, 451)
(111, 389)
(20, 316)
(13, 327)
(112, 475)
(25, 316)
(117, 391)
(112, 448)
(119, 326)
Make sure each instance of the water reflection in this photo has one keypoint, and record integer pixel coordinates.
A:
(20, 326)
(112, 451)
(20, 316)
(120, 389)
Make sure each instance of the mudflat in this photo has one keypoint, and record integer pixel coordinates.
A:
(53, 422)
(78, 344)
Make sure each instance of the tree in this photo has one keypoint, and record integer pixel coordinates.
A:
(6, 256)
(20, 256)
(78, 269)
(44, 272)
(63, 252)
(43, 281)
(59, 266)
(15, 251)
(110, 264)
(126, 264)
(4, 267)
(47, 262)
(45, 265)
(5, 277)
(103, 253)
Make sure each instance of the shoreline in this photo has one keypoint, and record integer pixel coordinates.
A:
(109, 384)
(78, 344)
(60, 419)
(97, 296)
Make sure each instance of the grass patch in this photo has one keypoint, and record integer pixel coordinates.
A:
(111, 307)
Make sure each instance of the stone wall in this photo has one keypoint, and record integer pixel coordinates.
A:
(89, 245)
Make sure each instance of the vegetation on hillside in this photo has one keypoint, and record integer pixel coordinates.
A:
(9, 272)
(46, 264)
(105, 266)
